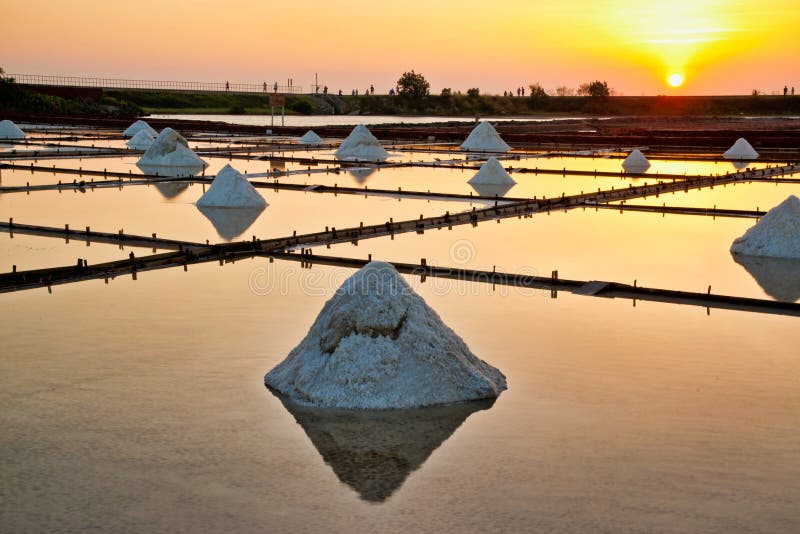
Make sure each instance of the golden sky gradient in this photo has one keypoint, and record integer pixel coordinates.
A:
(718, 46)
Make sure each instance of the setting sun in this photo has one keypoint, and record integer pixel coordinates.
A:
(675, 80)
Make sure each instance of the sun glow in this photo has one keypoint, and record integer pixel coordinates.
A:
(675, 80)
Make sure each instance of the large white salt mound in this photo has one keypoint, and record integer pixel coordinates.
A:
(635, 162)
(377, 345)
(141, 141)
(170, 149)
(310, 138)
(231, 190)
(741, 149)
(9, 130)
(776, 235)
(137, 127)
(484, 138)
(492, 173)
(361, 145)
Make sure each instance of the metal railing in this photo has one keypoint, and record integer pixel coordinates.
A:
(160, 85)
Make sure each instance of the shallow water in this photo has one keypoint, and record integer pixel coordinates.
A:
(654, 418)
(139, 405)
(346, 120)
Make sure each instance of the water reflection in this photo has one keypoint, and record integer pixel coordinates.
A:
(740, 164)
(490, 190)
(374, 451)
(360, 174)
(778, 277)
(170, 190)
(230, 223)
(171, 170)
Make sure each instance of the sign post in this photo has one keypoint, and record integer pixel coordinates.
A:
(275, 101)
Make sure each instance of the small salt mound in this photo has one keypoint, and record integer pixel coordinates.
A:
(9, 130)
(776, 235)
(231, 190)
(310, 138)
(361, 145)
(492, 173)
(137, 127)
(484, 138)
(170, 149)
(741, 149)
(377, 345)
(141, 141)
(636, 162)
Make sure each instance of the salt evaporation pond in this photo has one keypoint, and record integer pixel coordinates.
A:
(139, 404)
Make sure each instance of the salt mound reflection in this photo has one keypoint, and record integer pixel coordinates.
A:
(778, 277)
(374, 451)
(231, 223)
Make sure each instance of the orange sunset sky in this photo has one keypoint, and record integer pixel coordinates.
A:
(716, 46)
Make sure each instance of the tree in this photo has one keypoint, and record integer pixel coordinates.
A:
(537, 91)
(413, 85)
(598, 89)
(446, 92)
(473, 92)
(565, 91)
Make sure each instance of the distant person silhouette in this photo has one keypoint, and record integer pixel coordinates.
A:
(227, 86)
(275, 87)
(265, 87)
(785, 90)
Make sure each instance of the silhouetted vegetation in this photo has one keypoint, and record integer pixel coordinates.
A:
(16, 98)
(413, 85)
(598, 89)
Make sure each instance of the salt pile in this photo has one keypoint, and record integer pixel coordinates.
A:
(741, 149)
(141, 141)
(310, 138)
(230, 189)
(9, 130)
(636, 162)
(776, 235)
(377, 345)
(484, 138)
(361, 145)
(492, 173)
(137, 127)
(170, 149)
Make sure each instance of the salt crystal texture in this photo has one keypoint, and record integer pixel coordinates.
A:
(9, 130)
(484, 138)
(137, 127)
(170, 149)
(377, 345)
(636, 162)
(310, 138)
(776, 235)
(361, 145)
(141, 141)
(740, 150)
(231, 190)
(492, 173)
